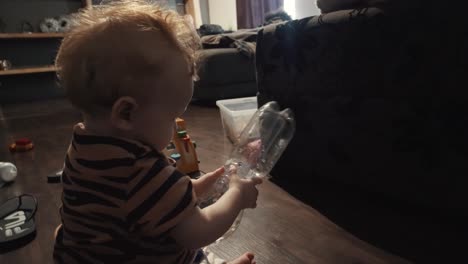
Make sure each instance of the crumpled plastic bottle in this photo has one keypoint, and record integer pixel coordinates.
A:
(260, 145)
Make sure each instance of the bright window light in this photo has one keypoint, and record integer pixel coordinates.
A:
(290, 7)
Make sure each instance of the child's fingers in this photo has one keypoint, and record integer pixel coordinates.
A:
(215, 174)
(256, 180)
(218, 172)
(232, 169)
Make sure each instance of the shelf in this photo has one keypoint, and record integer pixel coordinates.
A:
(30, 35)
(28, 70)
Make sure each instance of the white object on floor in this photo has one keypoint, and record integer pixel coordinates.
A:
(8, 172)
(211, 258)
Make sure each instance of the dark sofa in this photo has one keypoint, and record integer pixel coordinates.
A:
(382, 122)
(227, 66)
(224, 73)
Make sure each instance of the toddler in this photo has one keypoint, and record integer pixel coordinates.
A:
(128, 67)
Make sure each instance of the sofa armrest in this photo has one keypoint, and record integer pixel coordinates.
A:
(358, 83)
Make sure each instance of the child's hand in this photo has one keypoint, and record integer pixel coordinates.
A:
(214, 220)
(205, 183)
(247, 188)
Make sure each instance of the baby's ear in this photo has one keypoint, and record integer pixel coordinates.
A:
(123, 112)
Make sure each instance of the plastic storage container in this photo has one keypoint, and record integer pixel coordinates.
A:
(236, 114)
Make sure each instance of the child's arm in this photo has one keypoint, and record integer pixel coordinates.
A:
(203, 184)
(206, 225)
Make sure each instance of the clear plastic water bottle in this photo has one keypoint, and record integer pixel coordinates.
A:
(260, 145)
(8, 172)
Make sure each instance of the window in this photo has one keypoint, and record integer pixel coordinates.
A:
(290, 8)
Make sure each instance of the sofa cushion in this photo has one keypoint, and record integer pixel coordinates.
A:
(224, 66)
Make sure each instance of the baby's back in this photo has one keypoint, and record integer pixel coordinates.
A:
(120, 201)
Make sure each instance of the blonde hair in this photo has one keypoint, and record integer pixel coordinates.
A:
(96, 66)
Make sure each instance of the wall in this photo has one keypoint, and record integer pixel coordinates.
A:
(197, 12)
(224, 13)
(205, 11)
(306, 8)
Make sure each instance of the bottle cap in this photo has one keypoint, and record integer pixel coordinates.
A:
(175, 156)
(182, 133)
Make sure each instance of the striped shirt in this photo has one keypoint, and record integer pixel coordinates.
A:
(121, 198)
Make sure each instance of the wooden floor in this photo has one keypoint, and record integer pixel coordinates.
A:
(281, 230)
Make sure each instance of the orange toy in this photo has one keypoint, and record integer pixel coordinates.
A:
(188, 162)
(22, 145)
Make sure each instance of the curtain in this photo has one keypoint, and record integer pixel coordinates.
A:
(251, 13)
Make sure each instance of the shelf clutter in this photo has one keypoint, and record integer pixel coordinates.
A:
(30, 35)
